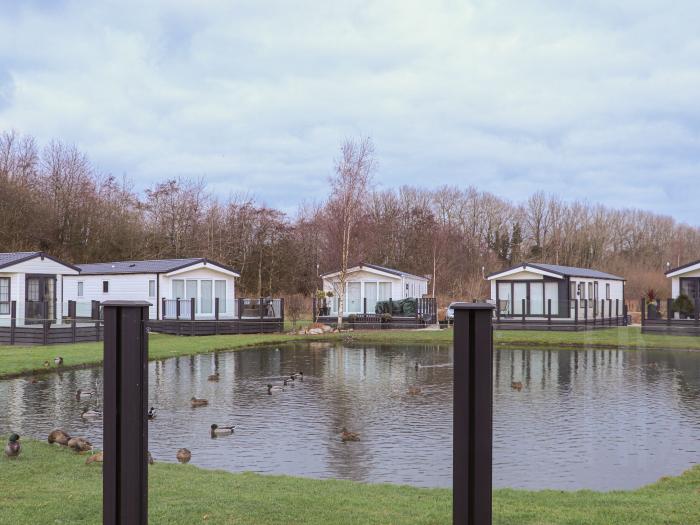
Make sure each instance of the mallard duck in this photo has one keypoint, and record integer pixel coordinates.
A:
(151, 413)
(272, 389)
(32, 380)
(417, 365)
(213, 377)
(198, 402)
(59, 436)
(13, 448)
(79, 444)
(149, 458)
(414, 390)
(58, 360)
(215, 430)
(183, 455)
(47, 364)
(346, 435)
(517, 385)
(83, 394)
(90, 414)
(95, 458)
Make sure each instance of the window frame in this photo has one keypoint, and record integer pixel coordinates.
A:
(152, 282)
(105, 286)
(6, 306)
(80, 291)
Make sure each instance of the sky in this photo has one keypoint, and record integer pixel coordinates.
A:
(590, 100)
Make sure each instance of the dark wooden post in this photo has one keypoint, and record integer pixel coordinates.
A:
(669, 311)
(642, 305)
(522, 312)
(617, 312)
(240, 308)
(177, 308)
(192, 306)
(364, 305)
(314, 309)
(391, 306)
(72, 315)
(585, 311)
(549, 313)
(125, 426)
(282, 314)
(602, 312)
(576, 306)
(216, 308)
(162, 310)
(472, 414)
(45, 322)
(94, 309)
(697, 312)
(13, 321)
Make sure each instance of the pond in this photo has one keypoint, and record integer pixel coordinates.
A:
(598, 419)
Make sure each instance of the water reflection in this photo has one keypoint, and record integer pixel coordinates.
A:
(599, 419)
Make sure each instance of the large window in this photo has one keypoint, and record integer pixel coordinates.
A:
(384, 292)
(220, 294)
(371, 296)
(4, 295)
(152, 288)
(207, 299)
(191, 292)
(607, 290)
(178, 289)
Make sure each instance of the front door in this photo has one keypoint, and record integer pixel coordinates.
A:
(40, 298)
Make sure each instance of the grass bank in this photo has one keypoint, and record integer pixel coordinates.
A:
(55, 484)
(23, 360)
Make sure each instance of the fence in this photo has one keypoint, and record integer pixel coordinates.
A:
(560, 315)
(41, 324)
(670, 316)
(424, 313)
(125, 467)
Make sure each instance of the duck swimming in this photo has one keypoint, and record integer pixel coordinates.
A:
(151, 413)
(83, 394)
(183, 455)
(517, 385)
(272, 389)
(90, 414)
(13, 448)
(215, 430)
(59, 436)
(198, 402)
(346, 435)
(213, 377)
(414, 390)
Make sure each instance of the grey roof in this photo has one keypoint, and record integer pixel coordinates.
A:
(12, 258)
(382, 269)
(566, 271)
(683, 267)
(152, 266)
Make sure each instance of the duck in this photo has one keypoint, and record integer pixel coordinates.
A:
(198, 402)
(300, 373)
(47, 364)
(517, 385)
(183, 455)
(95, 458)
(83, 394)
(59, 436)
(272, 389)
(58, 360)
(215, 430)
(213, 377)
(90, 414)
(346, 435)
(13, 447)
(32, 380)
(151, 413)
(414, 390)
(79, 444)
(149, 458)
(417, 365)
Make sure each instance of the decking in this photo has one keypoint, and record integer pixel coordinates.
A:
(659, 317)
(567, 316)
(425, 315)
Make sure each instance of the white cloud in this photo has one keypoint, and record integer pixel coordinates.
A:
(584, 99)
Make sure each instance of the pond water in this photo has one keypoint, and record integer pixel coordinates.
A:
(598, 419)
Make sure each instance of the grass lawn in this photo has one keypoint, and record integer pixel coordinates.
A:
(54, 484)
(18, 360)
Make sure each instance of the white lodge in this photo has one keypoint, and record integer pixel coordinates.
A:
(372, 283)
(534, 286)
(34, 281)
(200, 279)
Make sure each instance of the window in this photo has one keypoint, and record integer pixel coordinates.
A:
(607, 290)
(178, 289)
(595, 290)
(191, 292)
(371, 297)
(220, 294)
(5, 295)
(81, 288)
(207, 306)
(384, 291)
(152, 288)
(105, 286)
(590, 291)
(572, 291)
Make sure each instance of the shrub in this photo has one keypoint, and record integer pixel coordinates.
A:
(684, 305)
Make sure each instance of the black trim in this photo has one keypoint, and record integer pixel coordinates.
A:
(605, 276)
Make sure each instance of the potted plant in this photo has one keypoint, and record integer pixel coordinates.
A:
(684, 306)
(652, 304)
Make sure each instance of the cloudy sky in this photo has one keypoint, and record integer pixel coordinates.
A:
(588, 99)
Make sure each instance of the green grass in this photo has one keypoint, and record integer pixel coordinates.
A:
(48, 484)
(22, 360)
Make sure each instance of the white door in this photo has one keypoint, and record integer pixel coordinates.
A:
(371, 296)
(354, 298)
(519, 293)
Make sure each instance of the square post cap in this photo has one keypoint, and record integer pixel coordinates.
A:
(473, 306)
(126, 303)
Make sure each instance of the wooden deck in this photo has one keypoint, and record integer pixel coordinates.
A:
(45, 334)
(228, 326)
(557, 324)
(375, 322)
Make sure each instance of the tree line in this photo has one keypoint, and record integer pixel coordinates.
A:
(52, 198)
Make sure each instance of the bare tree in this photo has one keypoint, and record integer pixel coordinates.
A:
(349, 191)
